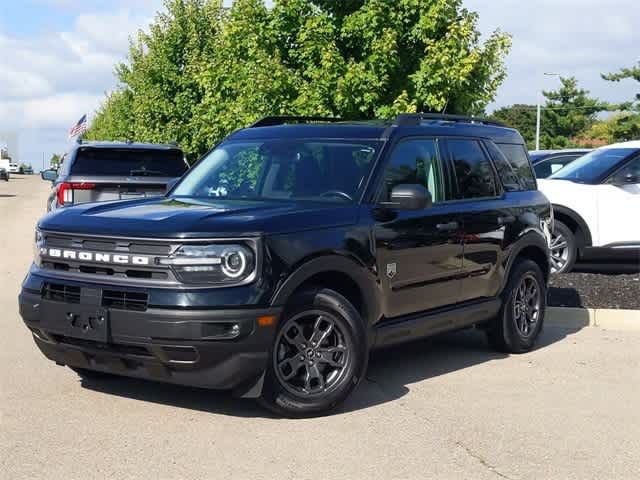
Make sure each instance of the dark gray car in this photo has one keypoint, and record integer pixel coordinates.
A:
(101, 171)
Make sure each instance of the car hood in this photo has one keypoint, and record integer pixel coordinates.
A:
(194, 218)
(561, 191)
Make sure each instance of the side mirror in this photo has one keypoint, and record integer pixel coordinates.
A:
(170, 184)
(410, 197)
(49, 175)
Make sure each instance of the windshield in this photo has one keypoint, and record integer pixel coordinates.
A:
(319, 170)
(593, 166)
(122, 162)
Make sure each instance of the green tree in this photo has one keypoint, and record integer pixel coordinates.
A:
(521, 117)
(55, 160)
(202, 71)
(567, 114)
(631, 73)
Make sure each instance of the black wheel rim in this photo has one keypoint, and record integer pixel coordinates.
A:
(312, 353)
(527, 305)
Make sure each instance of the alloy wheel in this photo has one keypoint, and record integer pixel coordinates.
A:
(559, 247)
(527, 304)
(312, 353)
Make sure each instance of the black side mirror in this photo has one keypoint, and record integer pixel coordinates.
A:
(410, 197)
(170, 184)
(49, 175)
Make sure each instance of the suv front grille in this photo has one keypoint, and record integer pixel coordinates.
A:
(125, 300)
(61, 293)
(152, 273)
(117, 299)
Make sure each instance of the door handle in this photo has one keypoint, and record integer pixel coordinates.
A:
(447, 226)
(506, 219)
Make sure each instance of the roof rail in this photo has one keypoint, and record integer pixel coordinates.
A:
(281, 120)
(412, 119)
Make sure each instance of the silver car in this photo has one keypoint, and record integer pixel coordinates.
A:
(101, 171)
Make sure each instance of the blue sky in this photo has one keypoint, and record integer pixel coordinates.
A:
(57, 56)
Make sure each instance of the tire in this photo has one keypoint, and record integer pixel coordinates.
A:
(91, 375)
(306, 378)
(563, 249)
(508, 332)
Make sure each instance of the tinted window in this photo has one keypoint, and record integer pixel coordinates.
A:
(510, 179)
(415, 162)
(552, 165)
(474, 174)
(630, 174)
(128, 162)
(331, 171)
(517, 156)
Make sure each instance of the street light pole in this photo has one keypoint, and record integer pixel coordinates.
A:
(538, 111)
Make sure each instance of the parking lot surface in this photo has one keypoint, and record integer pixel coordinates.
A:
(442, 408)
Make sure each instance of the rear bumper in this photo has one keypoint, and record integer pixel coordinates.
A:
(218, 349)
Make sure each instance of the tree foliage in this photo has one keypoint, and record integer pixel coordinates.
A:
(201, 71)
(632, 73)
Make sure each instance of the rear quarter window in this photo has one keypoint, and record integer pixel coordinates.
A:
(519, 160)
(128, 162)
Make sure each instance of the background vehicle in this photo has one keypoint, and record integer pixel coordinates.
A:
(547, 162)
(26, 169)
(596, 203)
(14, 167)
(100, 171)
(289, 251)
(4, 169)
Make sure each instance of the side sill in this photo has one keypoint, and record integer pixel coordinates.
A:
(425, 324)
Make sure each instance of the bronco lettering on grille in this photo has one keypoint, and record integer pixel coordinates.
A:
(96, 257)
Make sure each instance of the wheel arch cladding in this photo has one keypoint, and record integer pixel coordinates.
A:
(344, 275)
(576, 224)
(537, 254)
(533, 247)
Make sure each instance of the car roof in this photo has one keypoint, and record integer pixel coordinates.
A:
(565, 150)
(378, 130)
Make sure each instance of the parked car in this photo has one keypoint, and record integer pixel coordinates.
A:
(4, 169)
(14, 167)
(596, 203)
(291, 250)
(100, 171)
(26, 169)
(547, 162)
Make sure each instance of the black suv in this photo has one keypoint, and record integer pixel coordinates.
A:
(292, 249)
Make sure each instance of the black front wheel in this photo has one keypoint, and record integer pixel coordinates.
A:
(318, 357)
(524, 301)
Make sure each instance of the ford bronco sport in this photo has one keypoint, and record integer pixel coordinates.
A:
(291, 250)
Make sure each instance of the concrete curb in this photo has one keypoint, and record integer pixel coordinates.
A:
(605, 318)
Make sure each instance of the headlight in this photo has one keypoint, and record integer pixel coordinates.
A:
(221, 264)
(37, 246)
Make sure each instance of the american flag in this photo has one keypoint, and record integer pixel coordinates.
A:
(79, 127)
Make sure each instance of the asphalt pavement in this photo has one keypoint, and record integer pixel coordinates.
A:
(445, 408)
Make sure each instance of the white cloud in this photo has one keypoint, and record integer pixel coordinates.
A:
(581, 38)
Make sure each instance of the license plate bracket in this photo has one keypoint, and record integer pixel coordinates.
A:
(87, 322)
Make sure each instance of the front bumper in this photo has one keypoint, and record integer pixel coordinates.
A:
(218, 349)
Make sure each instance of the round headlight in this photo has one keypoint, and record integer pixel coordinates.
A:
(234, 262)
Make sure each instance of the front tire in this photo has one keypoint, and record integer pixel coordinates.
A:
(318, 357)
(563, 248)
(524, 301)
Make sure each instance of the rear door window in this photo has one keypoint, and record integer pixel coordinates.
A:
(128, 162)
(473, 170)
(517, 156)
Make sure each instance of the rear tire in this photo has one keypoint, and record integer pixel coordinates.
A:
(520, 319)
(319, 355)
(563, 248)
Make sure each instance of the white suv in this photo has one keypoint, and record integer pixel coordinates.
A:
(596, 203)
